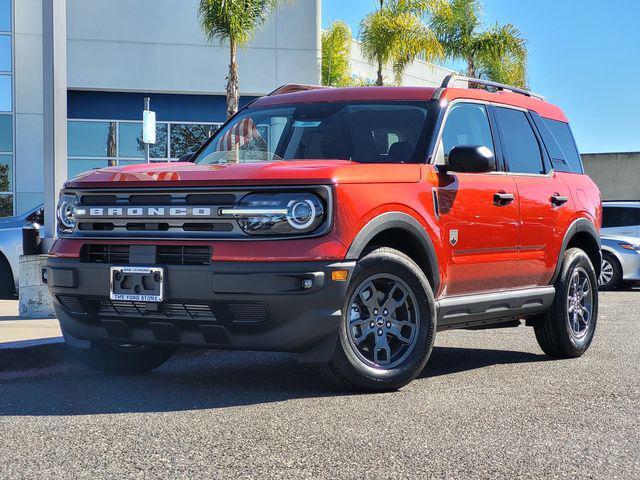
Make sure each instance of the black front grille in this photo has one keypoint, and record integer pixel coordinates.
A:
(183, 255)
(94, 253)
(171, 311)
(165, 254)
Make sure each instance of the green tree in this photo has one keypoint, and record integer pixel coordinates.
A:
(336, 55)
(234, 22)
(394, 35)
(498, 53)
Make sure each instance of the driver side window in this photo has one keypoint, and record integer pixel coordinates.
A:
(467, 124)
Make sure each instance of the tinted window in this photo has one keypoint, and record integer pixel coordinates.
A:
(6, 133)
(5, 53)
(620, 217)
(563, 136)
(187, 138)
(5, 15)
(361, 132)
(6, 97)
(521, 147)
(91, 139)
(467, 124)
(130, 143)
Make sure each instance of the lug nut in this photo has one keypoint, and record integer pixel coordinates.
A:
(372, 324)
(380, 332)
(375, 311)
(385, 312)
(388, 324)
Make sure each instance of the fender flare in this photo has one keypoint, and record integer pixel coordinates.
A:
(578, 226)
(398, 221)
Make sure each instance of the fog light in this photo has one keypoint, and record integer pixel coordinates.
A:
(307, 283)
(339, 275)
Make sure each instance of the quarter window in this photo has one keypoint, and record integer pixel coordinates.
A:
(564, 137)
(521, 147)
(467, 124)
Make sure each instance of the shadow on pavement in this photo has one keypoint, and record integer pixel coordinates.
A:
(204, 381)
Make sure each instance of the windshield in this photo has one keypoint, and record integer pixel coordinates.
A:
(381, 132)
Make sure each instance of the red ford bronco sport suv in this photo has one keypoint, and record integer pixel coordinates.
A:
(348, 225)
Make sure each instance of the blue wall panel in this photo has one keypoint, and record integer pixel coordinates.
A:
(128, 106)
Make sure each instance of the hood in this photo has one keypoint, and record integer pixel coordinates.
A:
(299, 172)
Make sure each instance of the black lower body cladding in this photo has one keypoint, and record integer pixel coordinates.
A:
(277, 306)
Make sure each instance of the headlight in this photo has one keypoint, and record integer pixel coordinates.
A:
(629, 246)
(278, 214)
(66, 212)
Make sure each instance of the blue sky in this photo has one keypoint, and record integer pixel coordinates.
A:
(584, 55)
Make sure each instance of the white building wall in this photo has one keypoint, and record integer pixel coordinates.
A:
(158, 46)
(147, 46)
(418, 74)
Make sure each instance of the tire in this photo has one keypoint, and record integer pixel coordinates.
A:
(611, 273)
(7, 285)
(396, 348)
(121, 359)
(563, 333)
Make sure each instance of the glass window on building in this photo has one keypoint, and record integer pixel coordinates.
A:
(6, 133)
(91, 139)
(6, 93)
(76, 166)
(5, 16)
(6, 63)
(187, 138)
(6, 173)
(6, 205)
(130, 145)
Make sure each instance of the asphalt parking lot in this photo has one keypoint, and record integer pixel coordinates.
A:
(489, 405)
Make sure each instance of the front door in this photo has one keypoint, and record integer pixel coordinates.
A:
(478, 211)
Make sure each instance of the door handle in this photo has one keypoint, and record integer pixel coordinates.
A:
(502, 198)
(558, 200)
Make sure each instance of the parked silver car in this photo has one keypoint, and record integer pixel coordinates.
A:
(620, 262)
(11, 249)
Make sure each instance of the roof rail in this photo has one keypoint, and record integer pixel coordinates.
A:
(451, 81)
(295, 87)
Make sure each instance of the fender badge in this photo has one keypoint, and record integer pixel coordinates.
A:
(453, 237)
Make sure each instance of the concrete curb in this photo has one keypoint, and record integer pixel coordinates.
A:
(32, 355)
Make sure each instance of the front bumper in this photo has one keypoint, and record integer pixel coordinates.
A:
(630, 261)
(226, 305)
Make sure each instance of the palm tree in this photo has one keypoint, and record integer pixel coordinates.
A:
(235, 22)
(499, 53)
(336, 53)
(394, 35)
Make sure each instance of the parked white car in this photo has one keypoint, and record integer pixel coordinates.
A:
(11, 249)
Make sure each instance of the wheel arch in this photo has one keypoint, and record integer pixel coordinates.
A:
(581, 234)
(403, 232)
(4, 262)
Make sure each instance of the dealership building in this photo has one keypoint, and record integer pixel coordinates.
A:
(120, 51)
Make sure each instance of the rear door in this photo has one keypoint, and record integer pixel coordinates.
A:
(478, 212)
(545, 201)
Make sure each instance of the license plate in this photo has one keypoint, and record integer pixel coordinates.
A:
(137, 284)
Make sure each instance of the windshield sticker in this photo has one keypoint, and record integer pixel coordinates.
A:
(302, 124)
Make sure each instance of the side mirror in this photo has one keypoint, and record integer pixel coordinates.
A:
(186, 157)
(471, 159)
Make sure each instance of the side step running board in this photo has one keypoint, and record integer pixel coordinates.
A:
(491, 308)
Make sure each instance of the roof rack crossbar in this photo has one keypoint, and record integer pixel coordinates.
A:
(451, 81)
(295, 87)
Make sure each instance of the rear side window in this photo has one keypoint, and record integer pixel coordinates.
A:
(564, 138)
(521, 147)
(620, 217)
